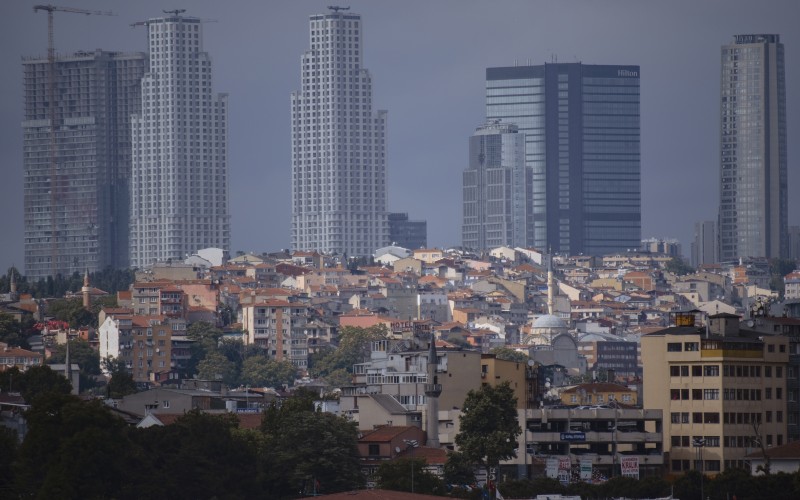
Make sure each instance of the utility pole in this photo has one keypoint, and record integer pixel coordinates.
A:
(55, 182)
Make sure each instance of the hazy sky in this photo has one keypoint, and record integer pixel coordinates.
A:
(428, 60)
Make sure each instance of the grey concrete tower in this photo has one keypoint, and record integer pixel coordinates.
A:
(433, 389)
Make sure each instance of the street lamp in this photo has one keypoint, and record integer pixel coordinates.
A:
(411, 444)
(699, 443)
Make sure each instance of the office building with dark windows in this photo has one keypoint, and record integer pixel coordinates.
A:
(753, 211)
(339, 191)
(407, 233)
(581, 127)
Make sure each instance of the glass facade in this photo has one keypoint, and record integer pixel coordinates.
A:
(496, 185)
(753, 212)
(581, 126)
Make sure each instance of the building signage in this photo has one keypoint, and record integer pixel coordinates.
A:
(564, 470)
(573, 436)
(627, 72)
(552, 468)
(630, 467)
(586, 469)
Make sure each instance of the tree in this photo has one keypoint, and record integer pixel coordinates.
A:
(259, 371)
(489, 426)
(354, 347)
(9, 445)
(121, 383)
(80, 352)
(396, 475)
(11, 331)
(75, 449)
(304, 449)
(72, 312)
(200, 456)
(207, 339)
(215, 366)
(677, 265)
(458, 470)
(509, 354)
(41, 381)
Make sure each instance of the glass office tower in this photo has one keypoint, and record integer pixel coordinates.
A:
(753, 212)
(581, 126)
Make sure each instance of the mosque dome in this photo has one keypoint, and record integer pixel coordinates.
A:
(549, 321)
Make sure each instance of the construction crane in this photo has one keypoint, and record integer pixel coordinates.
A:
(51, 104)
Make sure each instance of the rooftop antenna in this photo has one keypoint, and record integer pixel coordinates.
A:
(174, 12)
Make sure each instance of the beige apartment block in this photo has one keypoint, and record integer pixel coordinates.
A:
(718, 384)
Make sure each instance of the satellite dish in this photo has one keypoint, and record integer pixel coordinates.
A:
(397, 449)
(531, 362)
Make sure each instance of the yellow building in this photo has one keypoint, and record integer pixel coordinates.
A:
(522, 378)
(600, 393)
(722, 390)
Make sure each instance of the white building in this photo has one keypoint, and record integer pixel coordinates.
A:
(179, 186)
(339, 192)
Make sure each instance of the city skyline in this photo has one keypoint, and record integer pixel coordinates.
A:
(433, 85)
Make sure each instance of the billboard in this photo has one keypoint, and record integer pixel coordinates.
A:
(630, 467)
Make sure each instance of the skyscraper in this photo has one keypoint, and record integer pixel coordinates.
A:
(407, 233)
(497, 184)
(753, 211)
(704, 246)
(76, 191)
(339, 192)
(581, 126)
(180, 149)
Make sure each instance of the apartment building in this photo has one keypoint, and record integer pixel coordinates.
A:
(722, 390)
(280, 327)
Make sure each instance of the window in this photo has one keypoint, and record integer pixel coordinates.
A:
(779, 417)
(685, 394)
(771, 348)
(674, 347)
(691, 346)
(779, 371)
(711, 418)
(768, 393)
(712, 441)
(767, 371)
(697, 370)
(374, 450)
(676, 441)
(778, 393)
(697, 393)
(675, 394)
(165, 403)
(710, 393)
(685, 371)
(685, 417)
(768, 416)
(711, 371)
(674, 371)
(697, 418)
(675, 418)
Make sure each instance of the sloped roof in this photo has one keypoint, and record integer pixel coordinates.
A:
(384, 433)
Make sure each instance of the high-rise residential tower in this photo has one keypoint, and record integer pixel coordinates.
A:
(339, 192)
(497, 185)
(753, 211)
(581, 126)
(76, 187)
(180, 149)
